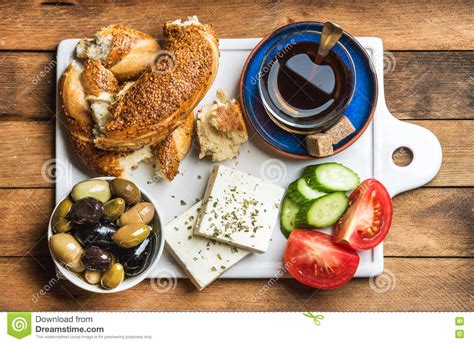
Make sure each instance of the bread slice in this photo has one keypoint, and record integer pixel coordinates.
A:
(221, 129)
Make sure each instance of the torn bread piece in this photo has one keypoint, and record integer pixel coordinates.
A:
(221, 129)
(342, 129)
(203, 260)
(80, 123)
(169, 152)
(319, 145)
(101, 89)
(98, 81)
(100, 86)
(125, 51)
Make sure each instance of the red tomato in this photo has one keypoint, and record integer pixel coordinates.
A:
(315, 260)
(366, 222)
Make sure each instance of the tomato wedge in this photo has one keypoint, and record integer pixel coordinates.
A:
(366, 222)
(315, 260)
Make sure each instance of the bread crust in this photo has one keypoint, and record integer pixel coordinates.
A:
(169, 152)
(229, 118)
(159, 99)
(97, 79)
(131, 51)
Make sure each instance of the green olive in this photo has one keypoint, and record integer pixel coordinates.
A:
(142, 212)
(68, 251)
(131, 235)
(114, 208)
(63, 208)
(96, 188)
(92, 277)
(60, 223)
(113, 276)
(127, 190)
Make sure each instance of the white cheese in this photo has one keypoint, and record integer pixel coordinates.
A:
(239, 209)
(203, 259)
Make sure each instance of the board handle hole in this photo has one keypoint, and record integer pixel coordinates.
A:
(402, 156)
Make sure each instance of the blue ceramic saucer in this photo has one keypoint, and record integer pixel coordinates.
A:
(360, 110)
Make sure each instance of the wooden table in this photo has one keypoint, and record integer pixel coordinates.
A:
(429, 81)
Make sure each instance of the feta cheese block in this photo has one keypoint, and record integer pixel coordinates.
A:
(203, 259)
(239, 209)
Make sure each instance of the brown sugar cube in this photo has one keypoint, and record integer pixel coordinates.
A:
(319, 145)
(342, 129)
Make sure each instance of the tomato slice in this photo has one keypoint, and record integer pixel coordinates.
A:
(315, 260)
(366, 222)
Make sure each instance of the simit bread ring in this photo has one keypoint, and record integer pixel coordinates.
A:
(88, 92)
(165, 94)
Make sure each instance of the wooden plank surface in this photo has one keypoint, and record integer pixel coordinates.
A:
(433, 284)
(31, 25)
(456, 139)
(430, 249)
(429, 84)
(434, 222)
(27, 85)
(27, 153)
(418, 85)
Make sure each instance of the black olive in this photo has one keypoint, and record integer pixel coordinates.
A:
(97, 259)
(135, 259)
(96, 234)
(86, 211)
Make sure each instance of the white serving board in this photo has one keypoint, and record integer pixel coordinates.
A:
(370, 156)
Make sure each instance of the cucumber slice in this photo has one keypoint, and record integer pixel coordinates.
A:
(300, 191)
(322, 212)
(331, 177)
(289, 209)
